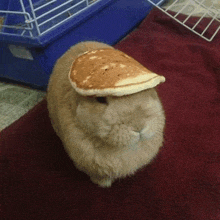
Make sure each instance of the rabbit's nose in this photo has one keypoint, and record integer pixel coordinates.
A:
(138, 129)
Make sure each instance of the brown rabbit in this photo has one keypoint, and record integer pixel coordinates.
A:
(106, 137)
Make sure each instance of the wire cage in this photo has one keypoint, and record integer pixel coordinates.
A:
(197, 12)
(35, 33)
(30, 20)
(39, 17)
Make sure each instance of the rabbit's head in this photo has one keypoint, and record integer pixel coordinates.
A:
(121, 121)
(117, 102)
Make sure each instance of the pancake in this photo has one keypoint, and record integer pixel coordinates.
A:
(110, 72)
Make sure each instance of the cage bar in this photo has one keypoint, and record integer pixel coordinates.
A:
(209, 12)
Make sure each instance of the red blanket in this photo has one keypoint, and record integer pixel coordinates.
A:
(39, 181)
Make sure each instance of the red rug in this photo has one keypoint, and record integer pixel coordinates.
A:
(39, 181)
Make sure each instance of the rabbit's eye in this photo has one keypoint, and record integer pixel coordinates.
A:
(102, 100)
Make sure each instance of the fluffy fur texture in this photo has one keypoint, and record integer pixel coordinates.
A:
(106, 138)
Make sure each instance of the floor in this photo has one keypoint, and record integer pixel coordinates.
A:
(16, 100)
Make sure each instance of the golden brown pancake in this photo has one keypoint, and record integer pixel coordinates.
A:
(110, 72)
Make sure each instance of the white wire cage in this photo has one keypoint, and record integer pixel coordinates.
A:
(34, 18)
(202, 17)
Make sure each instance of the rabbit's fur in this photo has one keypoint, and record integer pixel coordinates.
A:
(105, 140)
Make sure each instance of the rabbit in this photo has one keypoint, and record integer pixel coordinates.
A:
(107, 138)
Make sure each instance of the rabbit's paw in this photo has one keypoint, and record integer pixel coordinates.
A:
(103, 182)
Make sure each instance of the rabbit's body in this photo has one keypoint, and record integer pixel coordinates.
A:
(106, 139)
